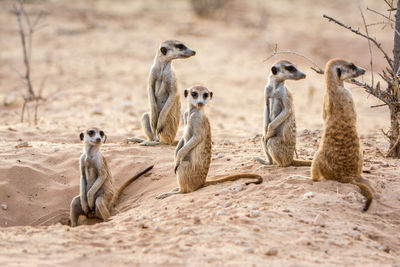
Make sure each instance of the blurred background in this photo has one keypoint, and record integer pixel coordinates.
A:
(92, 59)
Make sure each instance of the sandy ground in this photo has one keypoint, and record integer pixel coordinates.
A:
(94, 58)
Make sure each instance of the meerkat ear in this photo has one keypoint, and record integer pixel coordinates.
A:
(186, 92)
(163, 50)
(339, 72)
(105, 138)
(274, 70)
(211, 94)
(81, 135)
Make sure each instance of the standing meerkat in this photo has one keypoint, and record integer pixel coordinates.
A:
(161, 123)
(339, 156)
(97, 192)
(193, 152)
(279, 133)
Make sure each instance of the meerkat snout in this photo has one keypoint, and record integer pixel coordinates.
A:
(285, 70)
(93, 136)
(199, 96)
(345, 70)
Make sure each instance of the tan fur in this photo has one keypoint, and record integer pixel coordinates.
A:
(162, 122)
(194, 150)
(339, 156)
(279, 136)
(97, 192)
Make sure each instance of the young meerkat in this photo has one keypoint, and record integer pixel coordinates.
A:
(161, 123)
(279, 133)
(193, 152)
(339, 156)
(97, 192)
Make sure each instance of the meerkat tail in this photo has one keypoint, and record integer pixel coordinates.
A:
(236, 177)
(297, 162)
(128, 182)
(367, 192)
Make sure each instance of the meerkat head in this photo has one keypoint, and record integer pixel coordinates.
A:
(343, 70)
(285, 70)
(93, 136)
(198, 96)
(173, 49)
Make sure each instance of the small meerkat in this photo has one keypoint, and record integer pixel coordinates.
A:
(193, 152)
(97, 192)
(339, 156)
(279, 133)
(161, 123)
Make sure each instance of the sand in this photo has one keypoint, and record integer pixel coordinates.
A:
(94, 58)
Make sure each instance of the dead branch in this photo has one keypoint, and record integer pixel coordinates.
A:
(380, 14)
(275, 52)
(378, 45)
(369, 42)
(393, 147)
(378, 106)
(20, 14)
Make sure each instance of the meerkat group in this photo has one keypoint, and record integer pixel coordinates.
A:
(339, 156)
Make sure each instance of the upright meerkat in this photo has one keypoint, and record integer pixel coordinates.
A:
(193, 152)
(161, 123)
(279, 133)
(97, 192)
(339, 156)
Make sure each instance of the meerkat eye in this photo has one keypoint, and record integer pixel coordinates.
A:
(101, 133)
(352, 66)
(290, 68)
(194, 94)
(205, 95)
(180, 46)
(90, 132)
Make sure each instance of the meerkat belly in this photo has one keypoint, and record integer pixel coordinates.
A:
(91, 176)
(342, 148)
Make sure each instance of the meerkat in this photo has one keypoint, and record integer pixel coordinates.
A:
(279, 131)
(161, 123)
(193, 152)
(97, 192)
(339, 156)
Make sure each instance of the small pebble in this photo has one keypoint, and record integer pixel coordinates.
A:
(271, 252)
(308, 195)
(226, 204)
(253, 207)
(238, 188)
(254, 213)
(186, 230)
(196, 220)
(220, 155)
(249, 250)
(4, 206)
(97, 110)
(22, 144)
(54, 149)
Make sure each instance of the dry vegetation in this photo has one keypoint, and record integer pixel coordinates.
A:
(95, 56)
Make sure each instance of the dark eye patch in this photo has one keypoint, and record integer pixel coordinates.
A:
(290, 68)
(205, 95)
(352, 66)
(194, 94)
(180, 46)
(101, 133)
(90, 132)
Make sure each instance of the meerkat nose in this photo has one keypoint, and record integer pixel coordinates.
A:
(194, 52)
(98, 139)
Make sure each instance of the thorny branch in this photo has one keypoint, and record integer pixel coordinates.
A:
(369, 42)
(378, 45)
(20, 14)
(275, 52)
